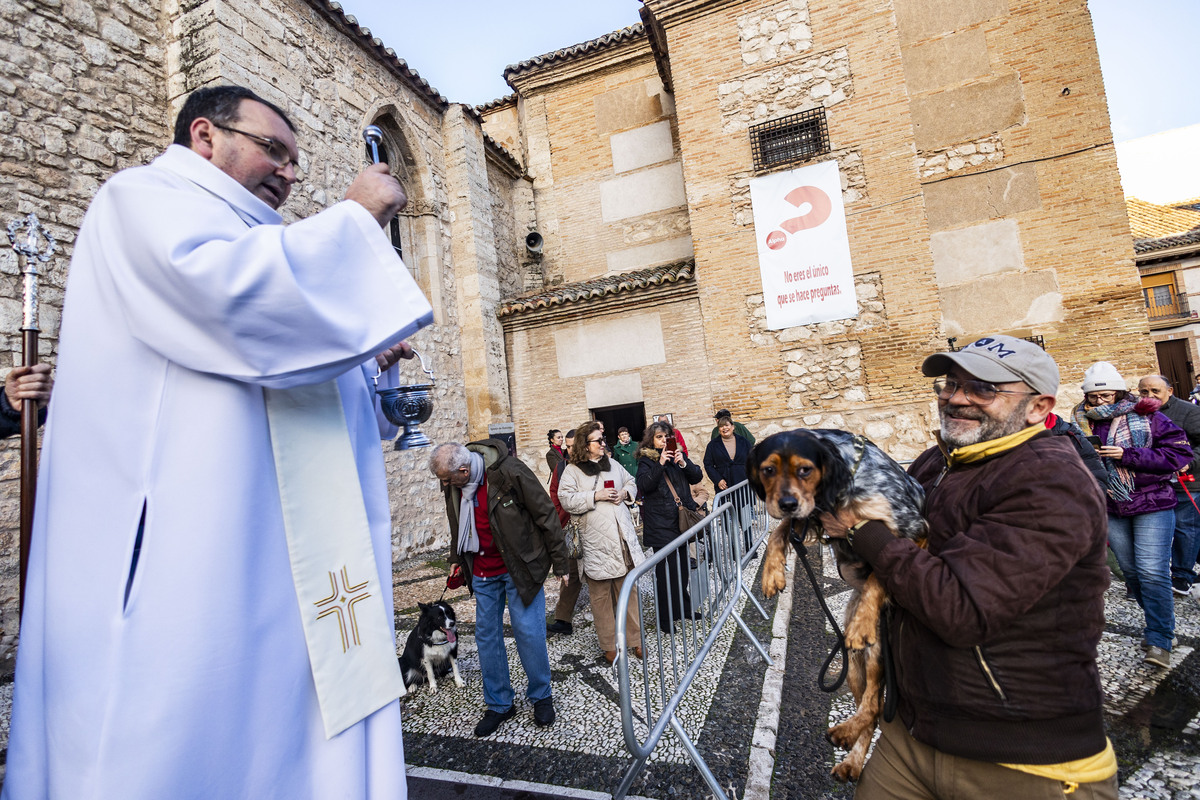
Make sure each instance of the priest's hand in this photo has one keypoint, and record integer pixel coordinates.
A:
(392, 355)
(378, 191)
(28, 383)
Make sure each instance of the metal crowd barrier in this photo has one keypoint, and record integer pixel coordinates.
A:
(712, 555)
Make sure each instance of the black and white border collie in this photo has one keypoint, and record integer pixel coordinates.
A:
(431, 651)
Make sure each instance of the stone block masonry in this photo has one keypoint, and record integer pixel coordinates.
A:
(82, 95)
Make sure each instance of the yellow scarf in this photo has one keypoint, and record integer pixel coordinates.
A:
(969, 454)
(1099, 767)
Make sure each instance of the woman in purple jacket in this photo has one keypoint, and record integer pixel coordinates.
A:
(1141, 449)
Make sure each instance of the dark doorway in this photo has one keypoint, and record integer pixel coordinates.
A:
(617, 417)
(1176, 366)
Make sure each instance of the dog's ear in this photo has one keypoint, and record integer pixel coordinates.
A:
(422, 606)
(835, 475)
(752, 470)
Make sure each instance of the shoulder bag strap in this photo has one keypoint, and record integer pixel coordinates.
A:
(671, 486)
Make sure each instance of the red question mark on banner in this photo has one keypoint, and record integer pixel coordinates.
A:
(820, 207)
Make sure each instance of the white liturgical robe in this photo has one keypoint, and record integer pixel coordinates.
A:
(181, 671)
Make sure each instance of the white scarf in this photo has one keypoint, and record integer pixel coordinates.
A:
(468, 536)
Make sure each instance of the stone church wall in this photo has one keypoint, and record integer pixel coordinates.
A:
(89, 88)
(82, 95)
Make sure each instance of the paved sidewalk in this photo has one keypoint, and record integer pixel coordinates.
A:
(761, 731)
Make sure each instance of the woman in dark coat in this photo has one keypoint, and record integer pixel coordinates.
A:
(660, 517)
(725, 468)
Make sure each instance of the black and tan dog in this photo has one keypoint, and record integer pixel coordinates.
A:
(803, 473)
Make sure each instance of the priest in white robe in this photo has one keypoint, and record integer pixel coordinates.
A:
(162, 651)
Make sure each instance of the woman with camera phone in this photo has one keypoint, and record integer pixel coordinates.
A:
(662, 466)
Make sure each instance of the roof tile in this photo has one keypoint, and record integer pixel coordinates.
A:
(575, 50)
(599, 287)
(1150, 221)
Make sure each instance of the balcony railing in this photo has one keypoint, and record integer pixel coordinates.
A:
(1176, 308)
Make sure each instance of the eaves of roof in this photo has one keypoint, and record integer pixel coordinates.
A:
(385, 55)
(500, 102)
(575, 298)
(505, 158)
(1166, 242)
(566, 54)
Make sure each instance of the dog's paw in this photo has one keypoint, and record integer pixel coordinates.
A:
(774, 577)
(773, 582)
(846, 771)
(459, 682)
(860, 636)
(846, 734)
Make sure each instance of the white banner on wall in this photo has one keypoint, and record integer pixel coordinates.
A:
(803, 247)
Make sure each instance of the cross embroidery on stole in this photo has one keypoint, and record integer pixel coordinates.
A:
(340, 605)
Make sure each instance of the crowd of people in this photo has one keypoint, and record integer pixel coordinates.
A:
(1023, 507)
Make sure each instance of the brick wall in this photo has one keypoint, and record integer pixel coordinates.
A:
(896, 111)
(543, 400)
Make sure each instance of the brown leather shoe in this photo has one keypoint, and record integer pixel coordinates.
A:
(610, 656)
(637, 653)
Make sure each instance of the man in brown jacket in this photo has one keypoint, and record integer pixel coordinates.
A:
(504, 531)
(995, 624)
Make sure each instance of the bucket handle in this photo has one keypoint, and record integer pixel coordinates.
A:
(424, 367)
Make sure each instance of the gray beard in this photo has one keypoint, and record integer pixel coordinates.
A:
(988, 429)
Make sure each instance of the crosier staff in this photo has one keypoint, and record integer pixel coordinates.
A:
(36, 245)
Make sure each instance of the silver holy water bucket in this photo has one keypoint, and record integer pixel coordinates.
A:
(409, 406)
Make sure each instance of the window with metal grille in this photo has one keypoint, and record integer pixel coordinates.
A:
(789, 140)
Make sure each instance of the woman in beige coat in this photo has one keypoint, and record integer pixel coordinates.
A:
(599, 489)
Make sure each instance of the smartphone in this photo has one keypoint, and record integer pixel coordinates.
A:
(1096, 443)
(609, 485)
(671, 444)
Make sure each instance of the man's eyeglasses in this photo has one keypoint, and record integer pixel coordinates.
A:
(1104, 397)
(277, 151)
(980, 393)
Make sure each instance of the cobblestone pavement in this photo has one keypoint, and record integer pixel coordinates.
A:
(1153, 714)
(760, 731)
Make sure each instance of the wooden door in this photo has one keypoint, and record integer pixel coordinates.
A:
(1175, 363)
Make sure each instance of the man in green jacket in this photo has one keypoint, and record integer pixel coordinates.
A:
(626, 451)
(504, 538)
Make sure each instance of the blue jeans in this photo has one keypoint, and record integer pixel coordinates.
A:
(529, 631)
(1186, 544)
(1142, 544)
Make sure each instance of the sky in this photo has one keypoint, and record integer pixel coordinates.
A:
(462, 47)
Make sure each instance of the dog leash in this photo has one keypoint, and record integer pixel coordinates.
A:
(840, 645)
(1189, 494)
